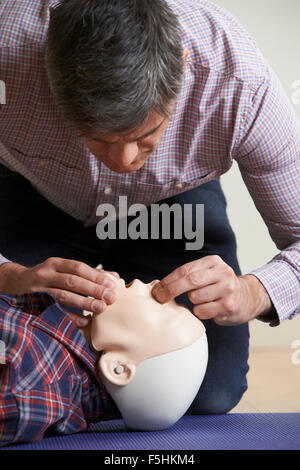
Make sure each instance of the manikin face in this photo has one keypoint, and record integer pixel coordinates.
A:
(137, 327)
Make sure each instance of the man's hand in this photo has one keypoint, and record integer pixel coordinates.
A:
(62, 278)
(216, 291)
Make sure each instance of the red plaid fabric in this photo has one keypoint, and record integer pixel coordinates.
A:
(48, 373)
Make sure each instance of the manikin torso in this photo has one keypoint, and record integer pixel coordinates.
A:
(152, 356)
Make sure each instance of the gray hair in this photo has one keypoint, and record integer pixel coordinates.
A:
(111, 62)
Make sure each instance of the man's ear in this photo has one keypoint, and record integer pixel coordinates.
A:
(117, 370)
(185, 56)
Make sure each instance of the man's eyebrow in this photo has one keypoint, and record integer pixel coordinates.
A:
(148, 133)
(138, 138)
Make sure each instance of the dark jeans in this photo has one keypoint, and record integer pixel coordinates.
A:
(33, 229)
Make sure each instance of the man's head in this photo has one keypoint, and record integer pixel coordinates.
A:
(115, 68)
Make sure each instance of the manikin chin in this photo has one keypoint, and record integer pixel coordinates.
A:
(153, 356)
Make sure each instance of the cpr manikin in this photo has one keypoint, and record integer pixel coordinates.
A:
(154, 356)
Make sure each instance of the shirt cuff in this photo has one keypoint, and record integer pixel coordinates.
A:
(283, 288)
(9, 418)
(4, 260)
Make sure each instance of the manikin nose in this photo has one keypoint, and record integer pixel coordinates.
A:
(135, 282)
(123, 153)
(147, 287)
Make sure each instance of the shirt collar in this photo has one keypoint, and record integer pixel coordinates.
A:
(48, 316)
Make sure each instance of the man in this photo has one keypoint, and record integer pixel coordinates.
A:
(152, 100)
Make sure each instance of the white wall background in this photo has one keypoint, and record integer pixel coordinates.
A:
(275, 25)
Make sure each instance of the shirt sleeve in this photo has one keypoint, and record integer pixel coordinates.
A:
(268, 154)
(25, 416)
(9, 418)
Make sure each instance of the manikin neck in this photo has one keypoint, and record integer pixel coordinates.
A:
(86, 332)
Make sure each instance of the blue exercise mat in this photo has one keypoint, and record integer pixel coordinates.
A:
(271, 431)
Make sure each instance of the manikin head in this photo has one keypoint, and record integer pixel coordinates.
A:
(154, 356)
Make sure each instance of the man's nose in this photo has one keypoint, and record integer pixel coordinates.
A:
(123, 153)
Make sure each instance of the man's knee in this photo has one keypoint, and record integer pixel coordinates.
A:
(219, 399)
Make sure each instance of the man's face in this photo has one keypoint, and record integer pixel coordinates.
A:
(127, 152)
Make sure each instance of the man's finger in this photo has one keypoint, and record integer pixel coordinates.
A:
(113, 273)
(197, 278)
(81, 269)
(74, 300)
(209, 293)
(79, 320)
(203, 263)
(206, 311)
(75, 284)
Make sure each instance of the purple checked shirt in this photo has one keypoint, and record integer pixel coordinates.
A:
(231, 107)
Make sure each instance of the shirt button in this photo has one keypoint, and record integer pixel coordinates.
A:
(107, 190)
(179, 185)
